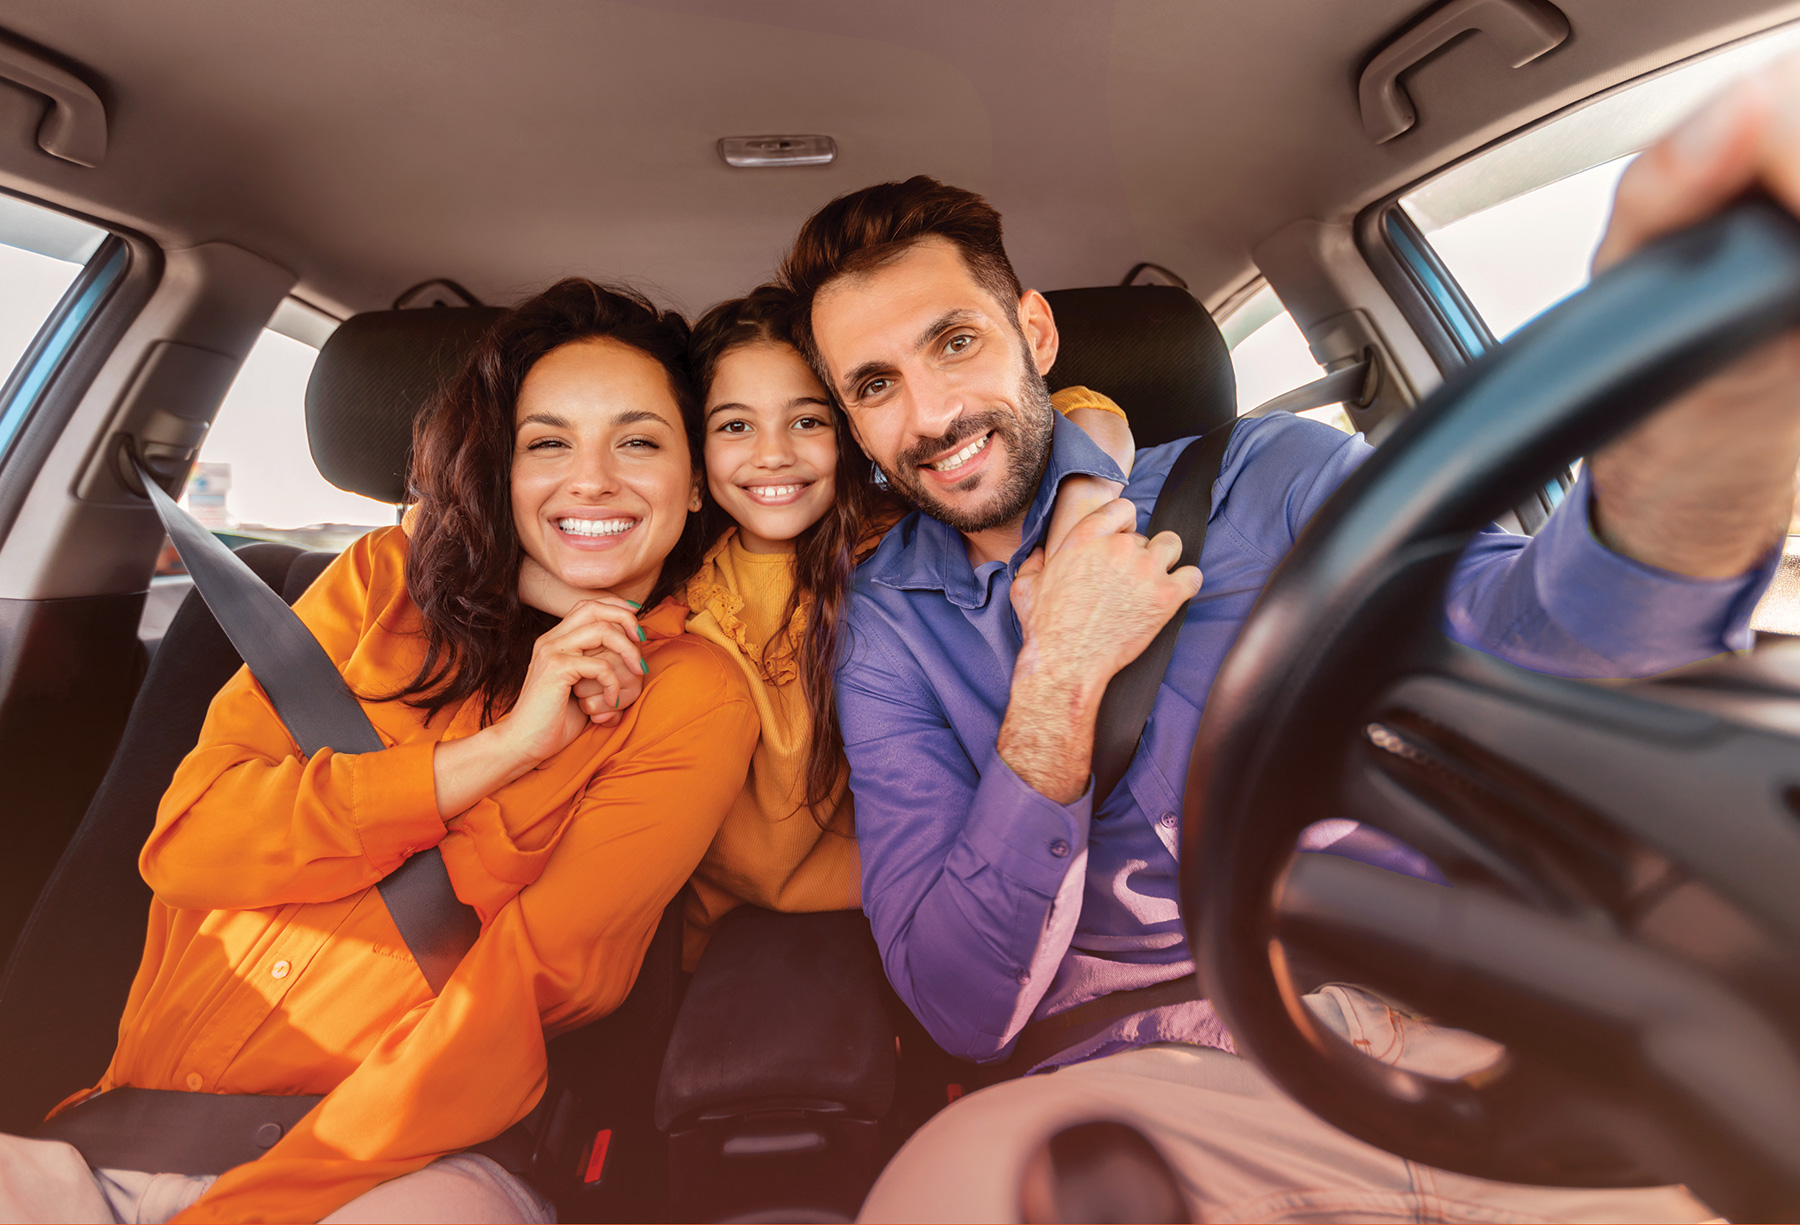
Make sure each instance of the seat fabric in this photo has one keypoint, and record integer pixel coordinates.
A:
(66, 982)
(1154, 349)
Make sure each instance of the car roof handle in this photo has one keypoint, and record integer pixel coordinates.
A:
(1524, 29)
(74, 129)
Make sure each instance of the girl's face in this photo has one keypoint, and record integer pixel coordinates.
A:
(602, 480)
(771, 451)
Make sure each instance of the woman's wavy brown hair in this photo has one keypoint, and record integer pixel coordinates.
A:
(825, 553)
(462, 567)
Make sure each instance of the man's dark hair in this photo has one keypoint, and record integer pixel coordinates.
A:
(868, 228)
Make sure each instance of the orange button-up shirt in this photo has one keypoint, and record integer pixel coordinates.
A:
(272, 965)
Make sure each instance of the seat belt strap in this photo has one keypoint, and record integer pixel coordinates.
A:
(312, 700)
(1184, 506)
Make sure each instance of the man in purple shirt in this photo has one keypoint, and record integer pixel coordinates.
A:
(974, 668)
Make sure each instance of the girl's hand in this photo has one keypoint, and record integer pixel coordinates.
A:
(548, 714)
(1076, 498)
(603, 702)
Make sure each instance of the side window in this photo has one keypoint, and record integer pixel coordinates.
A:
(1270, 356)
(42, 255)
(255, 477)
(1514, 230)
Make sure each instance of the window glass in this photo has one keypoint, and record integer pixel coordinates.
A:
(1269, 356)
(1517, 227)
(255, 476)
(41, 254)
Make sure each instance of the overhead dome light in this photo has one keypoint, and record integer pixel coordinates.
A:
(777, 150)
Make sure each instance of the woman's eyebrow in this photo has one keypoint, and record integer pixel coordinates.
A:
(638, 416)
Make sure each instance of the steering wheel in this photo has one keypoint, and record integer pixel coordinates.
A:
(1624, 906)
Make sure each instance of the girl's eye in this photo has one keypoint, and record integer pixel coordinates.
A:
(808, 423)
(735, 427)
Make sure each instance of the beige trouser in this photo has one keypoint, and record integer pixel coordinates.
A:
(1242, 1149)
(46, 1180)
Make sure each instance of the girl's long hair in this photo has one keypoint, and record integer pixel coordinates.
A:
(825, 553)
(462, 567)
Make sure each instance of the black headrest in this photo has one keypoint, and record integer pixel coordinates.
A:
(371, 379)
(1154, 349)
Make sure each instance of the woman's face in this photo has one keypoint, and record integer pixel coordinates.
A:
(771, 452)
(602, 480)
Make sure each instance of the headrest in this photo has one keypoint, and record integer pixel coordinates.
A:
(372, 377)
(1154, 349)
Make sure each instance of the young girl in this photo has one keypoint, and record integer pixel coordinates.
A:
(791, 506)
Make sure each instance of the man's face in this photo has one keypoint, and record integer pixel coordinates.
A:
(942, 384)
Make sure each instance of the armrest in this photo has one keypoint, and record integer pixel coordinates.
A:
(784, 1010)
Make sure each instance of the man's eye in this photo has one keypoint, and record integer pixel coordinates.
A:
(874, 387)
(959, 342)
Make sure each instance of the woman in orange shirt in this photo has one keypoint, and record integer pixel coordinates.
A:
(791, 506)
(564, 455)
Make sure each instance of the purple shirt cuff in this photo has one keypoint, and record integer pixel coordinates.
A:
(1026, 836)
(1634, 613)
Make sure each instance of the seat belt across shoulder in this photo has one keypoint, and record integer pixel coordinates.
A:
(1183, 506)
(313, 701)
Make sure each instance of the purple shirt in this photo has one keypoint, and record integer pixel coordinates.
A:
(993, 904)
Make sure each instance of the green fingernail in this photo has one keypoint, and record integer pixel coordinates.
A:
(645, 665)
(633, 602)
(615, 703)
(641, 637)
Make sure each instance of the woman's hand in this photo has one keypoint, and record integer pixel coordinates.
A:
(596, 642)
(547, 715)
(606, 702)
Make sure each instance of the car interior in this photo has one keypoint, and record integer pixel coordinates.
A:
(380, 183)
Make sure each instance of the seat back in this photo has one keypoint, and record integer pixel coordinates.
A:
(1154, 349)
(66, 982)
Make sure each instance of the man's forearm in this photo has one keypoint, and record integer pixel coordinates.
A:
(1048, 734)
(1695, 491)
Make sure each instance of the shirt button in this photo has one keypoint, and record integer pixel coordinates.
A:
(194, 1081)
(279, 970)
(1168, 820)
(1059, 848)
(1024, 978)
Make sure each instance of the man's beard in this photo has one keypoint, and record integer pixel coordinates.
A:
(1027, 438)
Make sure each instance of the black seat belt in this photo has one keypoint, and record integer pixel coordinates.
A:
(1184, 506)
(310, 696)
